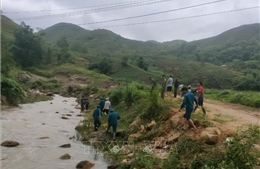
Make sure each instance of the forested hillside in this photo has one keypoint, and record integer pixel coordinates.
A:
(100, 55)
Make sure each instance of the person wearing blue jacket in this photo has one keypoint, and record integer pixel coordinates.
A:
(112, 121)
(102, 103)
(188, 103)
(96, 115)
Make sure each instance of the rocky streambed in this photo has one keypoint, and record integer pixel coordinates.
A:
(46, 135)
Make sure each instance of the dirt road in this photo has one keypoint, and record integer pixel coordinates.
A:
(236, 115)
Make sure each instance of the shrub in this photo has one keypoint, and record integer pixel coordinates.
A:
(116, 95)
(11, 90)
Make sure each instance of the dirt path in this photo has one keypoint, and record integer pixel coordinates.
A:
(235, 115)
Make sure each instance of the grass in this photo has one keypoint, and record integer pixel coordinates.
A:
(246, 98)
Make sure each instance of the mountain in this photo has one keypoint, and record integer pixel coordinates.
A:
(95, 41)
(7, 27)
(132, 60)
(241, 33)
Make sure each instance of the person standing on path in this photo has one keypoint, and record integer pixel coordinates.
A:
(176, 85)
(112, 121)
(169, 84)
(188, 103)
(200, 97)
(96, 115)
(107, 106)
(153, 84)
(164, 81)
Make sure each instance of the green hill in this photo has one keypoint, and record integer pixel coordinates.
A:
(96, 41)
(131, 60)
(241, 33)
(8, 27)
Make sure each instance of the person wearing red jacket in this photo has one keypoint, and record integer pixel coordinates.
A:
(200, 94)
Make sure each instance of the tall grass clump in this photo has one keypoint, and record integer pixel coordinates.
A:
(12, 91)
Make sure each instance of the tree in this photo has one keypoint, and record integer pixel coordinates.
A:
(63, 53)
(142, 64)
(124, 61)
(27, 50)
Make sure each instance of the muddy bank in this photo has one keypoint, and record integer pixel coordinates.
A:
(40, 131)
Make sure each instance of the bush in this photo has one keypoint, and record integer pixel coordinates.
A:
(11, 90)
(116, 95)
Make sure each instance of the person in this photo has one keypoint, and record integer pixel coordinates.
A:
(112, 121)
(163, 86)
(82, 104)
(102, 104)
(200, 93)
(86, 104)
(176, 85)
(153, 84)
(107, 106)
(96, 115)
(169, 84)
(188, 103)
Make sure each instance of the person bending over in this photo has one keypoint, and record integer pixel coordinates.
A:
(188, 103)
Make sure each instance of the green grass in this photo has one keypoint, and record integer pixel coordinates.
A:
(246, 98)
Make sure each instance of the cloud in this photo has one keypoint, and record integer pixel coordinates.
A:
(187, 29)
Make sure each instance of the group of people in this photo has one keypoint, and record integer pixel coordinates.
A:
(167, 85)
(104, 108)
(188, 102)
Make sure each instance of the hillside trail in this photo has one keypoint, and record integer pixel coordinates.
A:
(235, 115)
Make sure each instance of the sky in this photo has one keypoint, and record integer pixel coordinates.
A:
(45, 13)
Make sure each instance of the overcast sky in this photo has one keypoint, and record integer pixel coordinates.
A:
(186, 29)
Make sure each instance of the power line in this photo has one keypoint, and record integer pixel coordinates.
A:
(182, 18)
(84, 12)
(63, 9)
(156, 13)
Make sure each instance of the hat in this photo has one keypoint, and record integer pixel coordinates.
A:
(107, 98)
(111, 110)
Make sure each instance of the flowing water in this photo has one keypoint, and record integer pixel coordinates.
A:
(32, 121)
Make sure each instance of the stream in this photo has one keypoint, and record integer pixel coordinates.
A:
(30, 122)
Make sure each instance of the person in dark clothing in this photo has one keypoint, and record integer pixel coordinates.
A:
(112, 121)
(188, 103)
(86, 104)
(164, 81)
(82, 104)
(102, 104)
(153, 84)
(96, 115)
(176, 85)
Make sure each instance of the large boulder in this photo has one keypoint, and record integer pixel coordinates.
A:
(134, 126)
(10, 144)
(175, 121)
(85, 165)
(211, 135)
